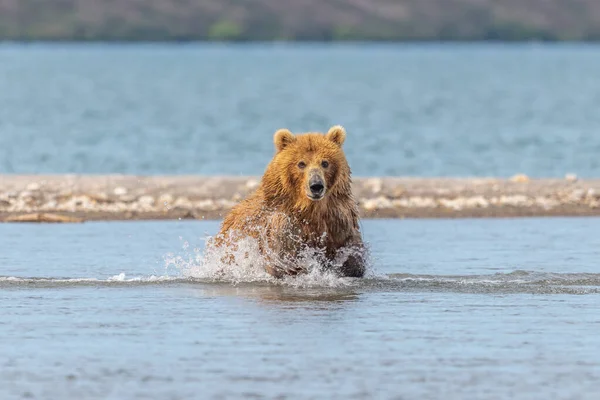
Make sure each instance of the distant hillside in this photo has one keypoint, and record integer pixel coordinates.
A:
(299, 19)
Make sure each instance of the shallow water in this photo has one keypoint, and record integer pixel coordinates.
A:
(452, 309)
(426, 110)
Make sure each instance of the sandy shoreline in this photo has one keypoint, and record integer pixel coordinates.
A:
(77, 198)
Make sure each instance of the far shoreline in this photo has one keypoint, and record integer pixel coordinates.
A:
(79, 198)
(300, 43)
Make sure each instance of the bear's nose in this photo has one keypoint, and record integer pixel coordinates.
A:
(317, 189)
(316, 186)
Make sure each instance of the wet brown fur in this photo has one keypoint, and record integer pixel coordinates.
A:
(280, 215)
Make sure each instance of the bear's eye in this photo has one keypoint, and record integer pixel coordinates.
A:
(301, 165)
(324, 164)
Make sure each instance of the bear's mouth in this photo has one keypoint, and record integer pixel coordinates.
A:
(315, 198)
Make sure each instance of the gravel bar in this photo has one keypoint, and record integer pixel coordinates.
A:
(78, 198)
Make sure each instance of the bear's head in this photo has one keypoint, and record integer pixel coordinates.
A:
(308, 168)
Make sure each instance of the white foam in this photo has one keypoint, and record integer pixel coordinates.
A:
(116, 278)
(152, 278)
(36, 279)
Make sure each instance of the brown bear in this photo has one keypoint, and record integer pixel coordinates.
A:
(304, 200)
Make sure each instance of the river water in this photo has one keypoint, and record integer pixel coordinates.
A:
(421, 110)
(452, 309)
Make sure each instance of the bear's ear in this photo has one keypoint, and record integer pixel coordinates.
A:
(282, 138)
(337, 134)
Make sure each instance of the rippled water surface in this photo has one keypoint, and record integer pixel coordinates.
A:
(451, 309)
(427, 110)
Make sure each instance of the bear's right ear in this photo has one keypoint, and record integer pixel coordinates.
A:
(282, 138)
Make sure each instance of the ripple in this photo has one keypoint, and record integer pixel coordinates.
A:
(514, 282)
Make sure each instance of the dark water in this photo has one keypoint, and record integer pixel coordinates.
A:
(435, 110)
(453, 309)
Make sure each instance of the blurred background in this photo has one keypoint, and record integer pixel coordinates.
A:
(424, 87)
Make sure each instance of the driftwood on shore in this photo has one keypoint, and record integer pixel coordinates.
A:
(74, 198)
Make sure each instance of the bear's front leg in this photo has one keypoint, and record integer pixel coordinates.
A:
(353, 267)
(282, 246)
(355, 264)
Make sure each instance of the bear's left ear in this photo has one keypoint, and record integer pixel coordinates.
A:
(337, 134)
(282, 138)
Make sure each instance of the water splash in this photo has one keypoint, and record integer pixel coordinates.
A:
(247, 264)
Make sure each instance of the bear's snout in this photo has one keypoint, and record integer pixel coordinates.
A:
(316, 185)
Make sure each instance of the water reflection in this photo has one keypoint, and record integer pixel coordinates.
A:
(268, 294)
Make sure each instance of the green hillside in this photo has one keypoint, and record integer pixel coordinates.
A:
(134, 20)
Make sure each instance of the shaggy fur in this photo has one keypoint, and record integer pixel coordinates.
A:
(283, 217)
